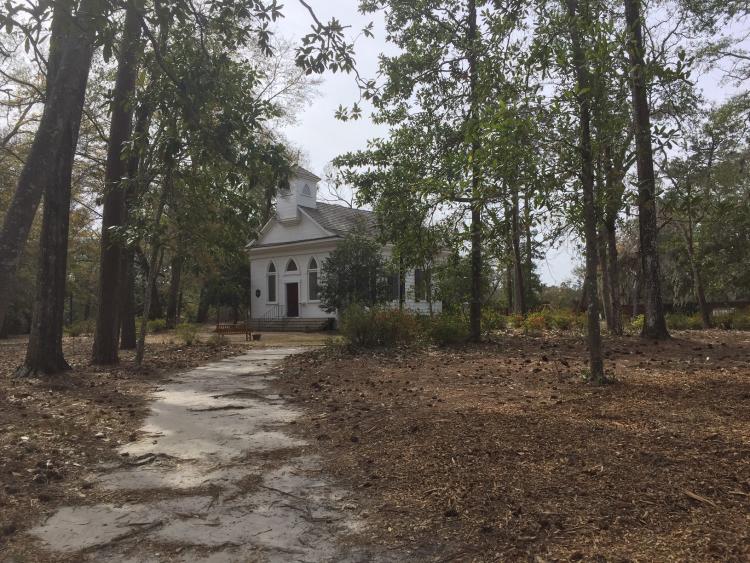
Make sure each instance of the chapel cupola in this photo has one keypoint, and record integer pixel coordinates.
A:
(302, 192)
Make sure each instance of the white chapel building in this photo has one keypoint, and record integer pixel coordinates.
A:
(286, 260)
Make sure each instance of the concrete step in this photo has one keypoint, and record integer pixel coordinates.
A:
(291, 324)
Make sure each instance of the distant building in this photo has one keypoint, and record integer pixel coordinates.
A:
(286, 260)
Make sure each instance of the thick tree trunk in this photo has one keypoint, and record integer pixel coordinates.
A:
(475, 312)
(115, 181)
(127, 301)
(174, 291)
(596, 364)
(71, 50)
(519, 297)
(655, 325)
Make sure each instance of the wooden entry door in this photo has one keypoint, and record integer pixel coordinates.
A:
(292, 300)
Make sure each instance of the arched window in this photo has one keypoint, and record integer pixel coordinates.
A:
(313, 293)
(291, 266)
(306, 190)
(271, 275)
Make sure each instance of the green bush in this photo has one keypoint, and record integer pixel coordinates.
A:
(564, 319)
(157, 325)
(371, 328)
(636, 323)
(81, 327)
(188, 333)
(534, 323)
(677, 321)
(493, 320)
(447, 329)
(741, 320)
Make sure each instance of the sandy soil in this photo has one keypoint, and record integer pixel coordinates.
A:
(501, 453)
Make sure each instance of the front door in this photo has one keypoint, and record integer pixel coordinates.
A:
(292, 300)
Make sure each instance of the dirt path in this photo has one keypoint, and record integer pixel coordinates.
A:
(214, 476)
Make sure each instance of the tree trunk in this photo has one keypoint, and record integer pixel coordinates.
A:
(655, 325)
(174, 291)
(127, 301)
(155, 261)
(71, 51)
(614, 278)
(613, 200)
(605, 285)
(115, 182)
(583, 96)
(696, 277)
(519, 297)
(70, 308)
(475, 312)
(203, 305)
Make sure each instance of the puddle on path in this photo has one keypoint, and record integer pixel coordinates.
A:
(202, 433)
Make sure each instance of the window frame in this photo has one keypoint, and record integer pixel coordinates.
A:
(272, 272)
(316, 271)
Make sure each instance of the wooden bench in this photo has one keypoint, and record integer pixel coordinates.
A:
(234, 328)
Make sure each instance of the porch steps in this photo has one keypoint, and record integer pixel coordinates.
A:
(290, 324)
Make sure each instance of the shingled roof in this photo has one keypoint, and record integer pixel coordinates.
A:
(341, 220)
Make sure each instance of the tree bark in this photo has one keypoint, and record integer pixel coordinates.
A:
(71, 51)
(475, 312)
(519, 297)
(596, 364)
(115, 186)
(655, 325)
(606, 286)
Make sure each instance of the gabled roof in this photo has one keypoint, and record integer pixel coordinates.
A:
(341, 220)
(304, 173)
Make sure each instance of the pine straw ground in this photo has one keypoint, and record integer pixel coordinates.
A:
(501, 453)
(54, 431)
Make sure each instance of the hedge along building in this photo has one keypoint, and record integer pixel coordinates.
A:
(287, 258)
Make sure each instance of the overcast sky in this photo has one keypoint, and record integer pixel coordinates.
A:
(322, 137)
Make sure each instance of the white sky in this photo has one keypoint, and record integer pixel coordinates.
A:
(322, 137)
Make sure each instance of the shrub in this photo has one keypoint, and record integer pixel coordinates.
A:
(516, 321)
(677, 321)
(446, 330)
(636, 323)
(157, 325)
(217, 341)
(84, 326)
(741, 320)
(534, 323)
(493, 320)
(370, 328)
(188, 333)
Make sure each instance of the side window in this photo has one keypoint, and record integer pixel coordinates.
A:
(313, 291)
(271, 275)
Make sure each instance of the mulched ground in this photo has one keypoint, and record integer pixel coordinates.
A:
(54, 431)
(500, 452)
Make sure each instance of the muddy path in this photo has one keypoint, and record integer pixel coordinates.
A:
(215, 475)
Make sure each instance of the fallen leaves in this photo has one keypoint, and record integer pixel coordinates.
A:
(475, 448)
